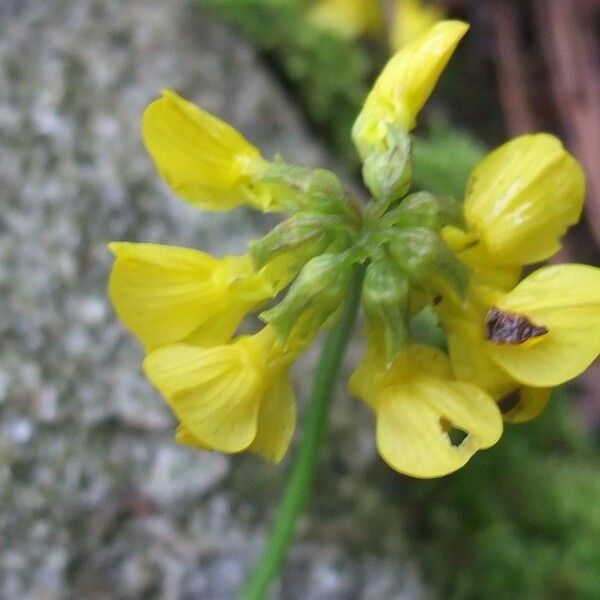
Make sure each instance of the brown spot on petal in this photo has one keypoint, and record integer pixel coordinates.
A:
(502, 327)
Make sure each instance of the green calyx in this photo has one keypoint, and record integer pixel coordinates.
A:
(303, 188)
(385, 298)
(428, 262)
(387, 169)
(396, 237)
(424, 209)
(301, 237)
(313, 297)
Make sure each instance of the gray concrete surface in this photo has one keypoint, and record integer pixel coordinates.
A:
(96, 500)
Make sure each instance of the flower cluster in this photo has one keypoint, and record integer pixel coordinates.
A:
(460, 261)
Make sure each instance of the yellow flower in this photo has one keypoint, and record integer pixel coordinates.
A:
(542, 333)
(230, 398)
(203, 159)
(522, 198)
(349, 19)
(166, 294)
(419, 406)
(404, 86)
(412, 19)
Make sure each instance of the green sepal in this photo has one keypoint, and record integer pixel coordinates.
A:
(387, 169)
(385, 298)
(428, 262)
(305, 189)
(423, 209)
(312, 298)
(305, 234)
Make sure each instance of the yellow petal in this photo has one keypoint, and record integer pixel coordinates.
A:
(530, 403)
(412, 18)
(405, 84)
(522, 198)
(348, 19)
(566, 300)
(471, 362)
(185, 437)
(165, 294)
(483, 266)
(276, 420)
(372, 374)
(367, 376)
(214, 392)
(414, 419)
(203, 159)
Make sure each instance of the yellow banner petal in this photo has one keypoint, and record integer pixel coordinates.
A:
(523, 197)
(185, 437)
(202, 159)
(412, 18)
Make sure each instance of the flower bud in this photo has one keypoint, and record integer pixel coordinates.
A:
(387, 168)
(385, 296)
(311, 300)
(428, 262)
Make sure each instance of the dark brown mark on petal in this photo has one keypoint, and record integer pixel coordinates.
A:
(502, 327)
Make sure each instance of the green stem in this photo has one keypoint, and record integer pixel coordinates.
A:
(298, 488)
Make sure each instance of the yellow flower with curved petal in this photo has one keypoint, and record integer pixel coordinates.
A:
(404, 85)
(522, 198)
(412, 19)
(228, 397)
(166, 294)
(565, 299)
(518, 367)
(276, 422)
(471, 362)
(348, 19)
(203, 159)
(418, 405)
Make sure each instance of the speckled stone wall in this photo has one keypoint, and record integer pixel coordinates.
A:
(96, 500)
